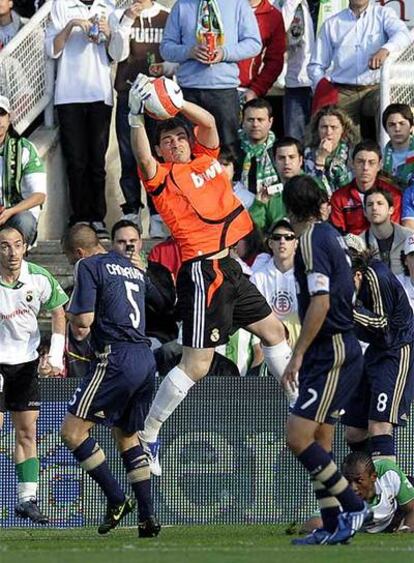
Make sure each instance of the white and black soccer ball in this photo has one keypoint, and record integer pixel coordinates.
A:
(166, 99)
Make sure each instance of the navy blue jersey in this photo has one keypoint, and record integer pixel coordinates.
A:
(323, 267)
(383, 314)
(112, 288)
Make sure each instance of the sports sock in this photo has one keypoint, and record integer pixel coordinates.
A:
(92, 460)
(328, 505)
(383, 447)
(171, 392)
(27, 477)
(323, 469)
(277, 358)
(361, 446)
(139, 476)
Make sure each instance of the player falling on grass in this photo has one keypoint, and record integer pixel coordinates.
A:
(327, 356)
(194, 197)
(25, 288)
(108, 298)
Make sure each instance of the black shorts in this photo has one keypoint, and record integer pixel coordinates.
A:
(19, 387)
(214, 298)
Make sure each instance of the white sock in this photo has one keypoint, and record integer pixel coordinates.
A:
(26, 491)
(171, 392)
(277, 358)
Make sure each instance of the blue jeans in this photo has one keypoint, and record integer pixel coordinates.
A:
(297, 106)
(26, 224)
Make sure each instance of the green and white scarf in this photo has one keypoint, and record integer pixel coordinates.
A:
(266, 174)
(11, 152)
(209, 19)
(404, 174)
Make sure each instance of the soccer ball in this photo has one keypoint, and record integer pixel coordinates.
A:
(166, 99)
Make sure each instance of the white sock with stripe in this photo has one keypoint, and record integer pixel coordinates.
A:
(171, 392)
(277, 358)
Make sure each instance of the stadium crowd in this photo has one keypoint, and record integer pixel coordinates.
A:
(287, 256)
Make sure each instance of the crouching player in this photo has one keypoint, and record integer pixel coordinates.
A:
(108, 298)
(327, 356)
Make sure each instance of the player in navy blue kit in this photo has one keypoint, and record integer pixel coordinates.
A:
(383, 318)
(108, 298)
(327, 357)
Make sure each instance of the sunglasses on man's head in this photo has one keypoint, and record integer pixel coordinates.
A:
(279, 237)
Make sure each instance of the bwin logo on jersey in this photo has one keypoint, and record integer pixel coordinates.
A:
(212, 171)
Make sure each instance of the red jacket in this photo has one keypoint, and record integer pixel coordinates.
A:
(272, 32)
(347, 213)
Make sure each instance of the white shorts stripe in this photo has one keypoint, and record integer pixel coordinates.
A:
(199, 305)
(91, 389)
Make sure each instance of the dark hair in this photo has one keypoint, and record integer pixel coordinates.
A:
(385, 193)
(79, 236)
(303, 197)
(6, 227)
(227, 154)
(355, 460)
(122, 224)
(361, 261)
(258, 103)
(367, 145)
(288, 142)
(254, 243)
(349, 134)
(403, 109)
(170, 125)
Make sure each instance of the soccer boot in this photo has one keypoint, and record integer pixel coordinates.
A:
(114, 515)
(348, 524)
(149, 528)
(152, 449)
(29, 509)
(319, 536)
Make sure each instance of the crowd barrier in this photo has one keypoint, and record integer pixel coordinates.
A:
(224, 460)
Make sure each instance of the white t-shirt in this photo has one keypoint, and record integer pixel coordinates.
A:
(19, 308)
(84, 72)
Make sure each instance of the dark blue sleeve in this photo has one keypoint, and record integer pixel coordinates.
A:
(317, 248)
(83, 298)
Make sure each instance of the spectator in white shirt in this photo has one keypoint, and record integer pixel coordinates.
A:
(407, 277)
(10, 22)
(350, 50)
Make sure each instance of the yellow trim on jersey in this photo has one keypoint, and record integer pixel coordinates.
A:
(306, 248)
(380, 321)
(332, 378)
(399, 387)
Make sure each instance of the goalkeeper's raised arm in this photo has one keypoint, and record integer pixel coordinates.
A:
(205, 129)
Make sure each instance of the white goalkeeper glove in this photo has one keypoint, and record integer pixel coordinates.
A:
(141, 89)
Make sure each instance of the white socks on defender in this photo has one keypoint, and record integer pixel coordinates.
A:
(26, 491)
(277, 358)
(171, 392)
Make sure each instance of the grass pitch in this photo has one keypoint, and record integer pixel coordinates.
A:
(195, 544)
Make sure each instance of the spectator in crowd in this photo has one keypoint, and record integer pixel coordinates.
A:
(25, 288)
(385, 487)
(384, 319)
(347, 203)
(258, 74)
(297, 100)
(205, 223)
(84, 104)
(251, 252)
(229, 162)
(168, 254)
(350, 49)
(398, 121)
(276, 280)
(327, 350)
(407, 276)
(208, 38)
(23, 178)
(10, 22)
(108, 298)
(27, 8)
(331, 139)
(136, 34)
(385, 238)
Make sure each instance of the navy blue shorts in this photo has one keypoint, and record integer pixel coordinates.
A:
(118, 389)
(386, 389)
(331, 370)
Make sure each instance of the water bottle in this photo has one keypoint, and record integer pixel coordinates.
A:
(94, 33)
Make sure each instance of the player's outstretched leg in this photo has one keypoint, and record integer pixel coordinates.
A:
(348, 524)
(138, 471)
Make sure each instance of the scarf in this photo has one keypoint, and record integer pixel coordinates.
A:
(11, 152)
(266, 174)
(209, 20)
(404, 174)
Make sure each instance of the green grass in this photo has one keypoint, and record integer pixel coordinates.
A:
(196, 544)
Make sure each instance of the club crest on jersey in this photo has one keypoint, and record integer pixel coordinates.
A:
(215, 335)
(29, 296)
(212, 171)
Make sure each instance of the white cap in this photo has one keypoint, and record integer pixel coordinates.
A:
(409, 244)
(5, 104)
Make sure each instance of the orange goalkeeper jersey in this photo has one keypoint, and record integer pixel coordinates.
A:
(197, 203)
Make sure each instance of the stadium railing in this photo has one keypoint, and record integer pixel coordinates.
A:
(224, 460)
(397, 81)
